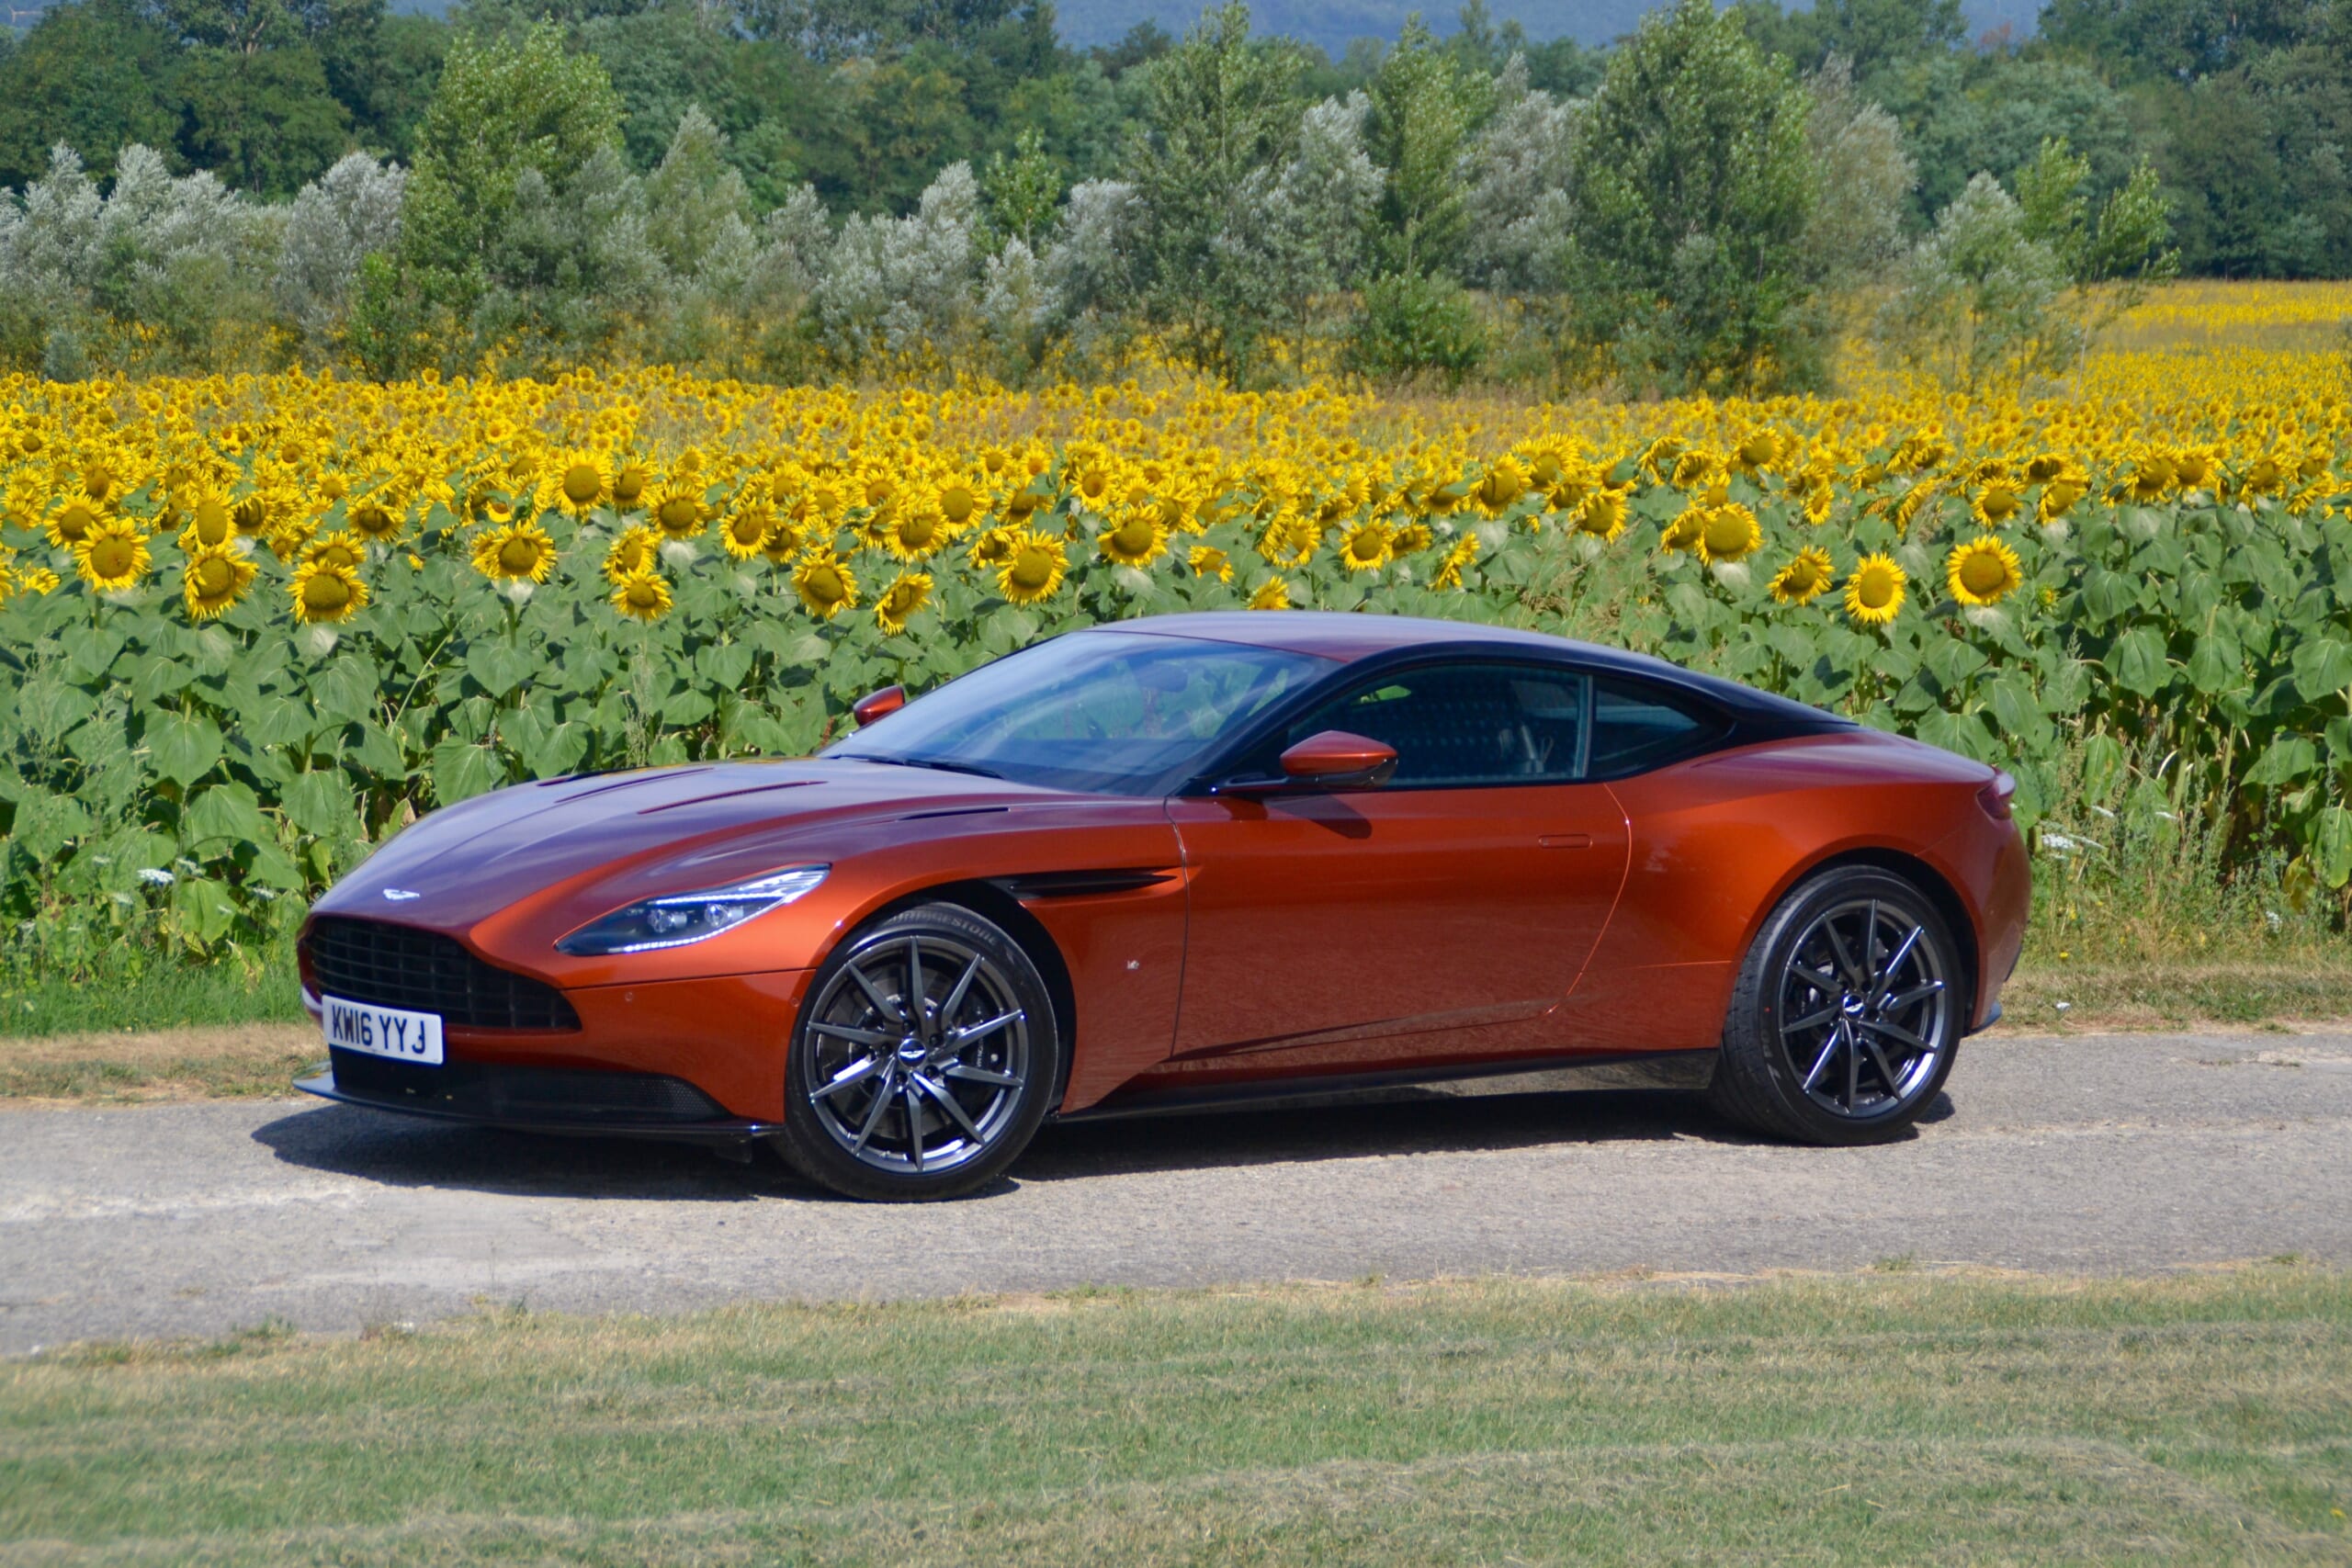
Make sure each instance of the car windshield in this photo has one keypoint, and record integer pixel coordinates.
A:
(1107, 713)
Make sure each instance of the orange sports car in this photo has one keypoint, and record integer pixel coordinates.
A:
(1182, 860)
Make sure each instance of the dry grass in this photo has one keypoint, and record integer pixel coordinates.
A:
(210, 1062)
(1905, 1417)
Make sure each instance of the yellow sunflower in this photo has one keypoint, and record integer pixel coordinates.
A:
(677, 509)
(378, 518)
(37, 579)
(744, 531)
(643, 594)
(1207, 560)
(325, 594)
(825, 583)
(781, 542)
(913, 533)
(1367, 547)
(1983, 569)
(112, 556)
(517, 552)
(1271, 594)
(1602, 513)
(340, 548)
(899, 602)
(2058, 498)
(1411, 539)
(1997, 502)
(70, 524)
(215, 577)
(1729, 532)
(631, 480)
(632, 551)
(1448, 571)
(1502, 484)
(1138, 539)
(1805, 578)
(1875, 591)
(578, 482)
(207, 523)
(957, 501)
(1032, 569)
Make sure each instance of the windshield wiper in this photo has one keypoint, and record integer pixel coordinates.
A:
(942, 765)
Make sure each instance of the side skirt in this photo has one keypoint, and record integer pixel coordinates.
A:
(1643, 1070)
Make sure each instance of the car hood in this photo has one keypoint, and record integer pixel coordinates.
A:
(667, 829)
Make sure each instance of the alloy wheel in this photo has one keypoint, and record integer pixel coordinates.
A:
(1865, 1009)
(915, 1056)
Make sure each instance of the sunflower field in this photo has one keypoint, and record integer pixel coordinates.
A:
(249, 627)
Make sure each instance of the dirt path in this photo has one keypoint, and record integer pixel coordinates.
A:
(2090, 1153)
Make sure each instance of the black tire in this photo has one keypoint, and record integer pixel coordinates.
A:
(1814, 1048)
(879, 1106)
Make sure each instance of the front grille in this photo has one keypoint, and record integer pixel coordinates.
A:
(534, 1095)
(397, 966)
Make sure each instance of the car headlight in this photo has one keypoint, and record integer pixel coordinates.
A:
(676, 919)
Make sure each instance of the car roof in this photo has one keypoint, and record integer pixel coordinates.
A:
(1348, 637)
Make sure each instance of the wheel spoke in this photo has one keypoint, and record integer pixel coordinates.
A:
(873, 1112)
(1911, 997)
(1812, 1020)
(1853, 1072)
(1819, 979)
(964, 1072)
(1895, 1032)
(959, 1038)
(882, 1004)
(1854, 977)
(948, 1009)
(915, 988)
(914, 1123)
(856, 1073)
(946, 1101)
(1885, 977)
(855, 1036)
(1821, 1062)
(1885, 1072)
(1870, 945)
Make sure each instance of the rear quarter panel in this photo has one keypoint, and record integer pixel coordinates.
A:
(1717, 841)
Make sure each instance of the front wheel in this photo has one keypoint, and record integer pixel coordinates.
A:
(1847, 1012)
(925, 1057)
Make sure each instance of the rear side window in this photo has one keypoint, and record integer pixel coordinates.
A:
(1637, 728)
(1462, 724)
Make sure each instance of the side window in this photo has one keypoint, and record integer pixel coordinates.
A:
(1464, 724)
(1636, 728)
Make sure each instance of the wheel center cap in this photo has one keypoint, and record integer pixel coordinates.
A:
(911, 1051)
(1853, 1007)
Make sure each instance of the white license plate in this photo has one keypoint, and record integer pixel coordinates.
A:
(382, 1032)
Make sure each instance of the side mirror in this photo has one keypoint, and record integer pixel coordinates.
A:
(878, 705)
(1337, 759)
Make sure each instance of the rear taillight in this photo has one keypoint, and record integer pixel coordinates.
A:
(1994, 796)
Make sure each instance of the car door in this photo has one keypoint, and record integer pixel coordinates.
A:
(1418, 920)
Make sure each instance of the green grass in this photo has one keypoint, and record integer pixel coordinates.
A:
(134, 986)
(1902, 1416)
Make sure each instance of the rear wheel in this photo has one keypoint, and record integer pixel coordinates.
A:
(1847, 1012)
(926, 1059)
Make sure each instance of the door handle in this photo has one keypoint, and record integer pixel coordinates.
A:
(1566, 840)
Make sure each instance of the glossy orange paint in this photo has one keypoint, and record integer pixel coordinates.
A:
(1247, 937)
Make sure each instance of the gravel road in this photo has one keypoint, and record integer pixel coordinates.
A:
(2093, 1154)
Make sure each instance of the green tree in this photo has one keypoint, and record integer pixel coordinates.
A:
(264, 120)
(1424, 105)
(1023, 191)
(93, 74)
(1978, 300)
(503, 111)
(1218, 110)
(1694, 190)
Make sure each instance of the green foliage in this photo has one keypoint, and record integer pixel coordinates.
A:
(1024, 191)
(1424, 105)
(94, 76)
(502, 111)
(1694, 188)
(1414, 324)
(1219, 109)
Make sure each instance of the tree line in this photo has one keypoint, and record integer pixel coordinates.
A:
(787, 187)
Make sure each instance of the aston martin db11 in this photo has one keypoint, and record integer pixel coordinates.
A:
(1181, 860)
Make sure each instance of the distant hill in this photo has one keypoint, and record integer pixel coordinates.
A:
(1331, 24)
(1328, 24)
